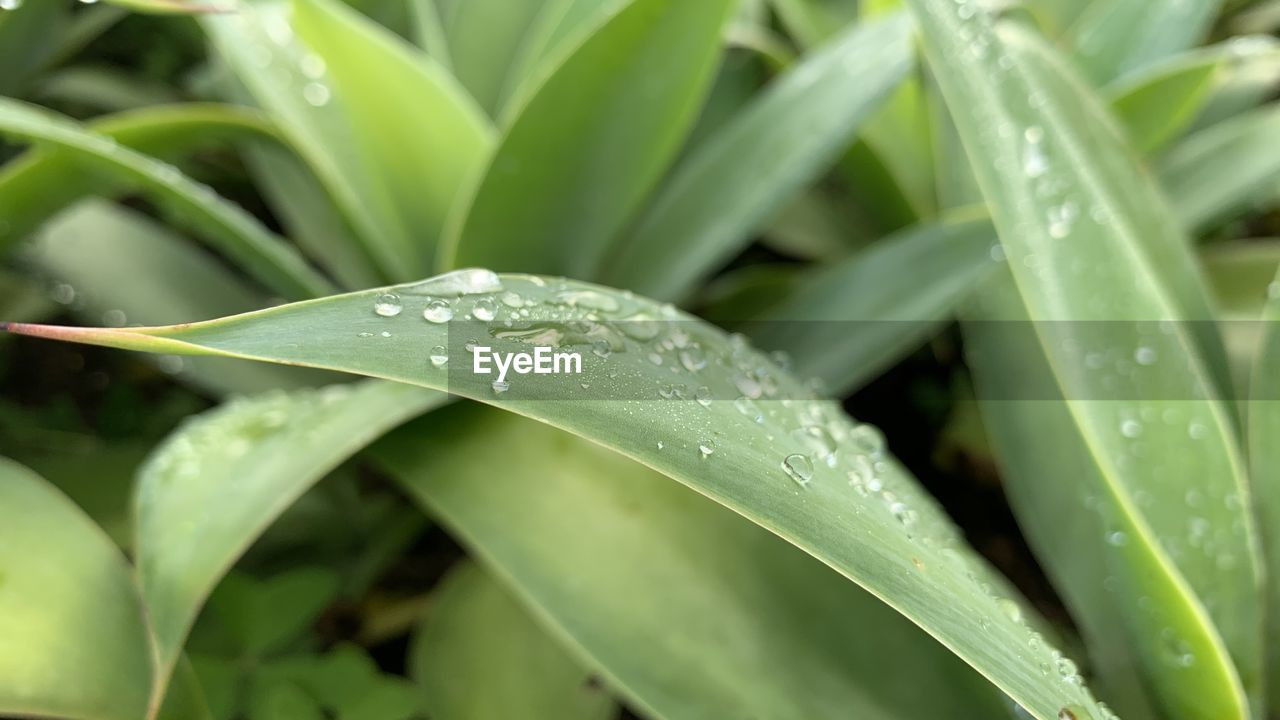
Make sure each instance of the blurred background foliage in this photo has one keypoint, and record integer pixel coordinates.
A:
(747, 195)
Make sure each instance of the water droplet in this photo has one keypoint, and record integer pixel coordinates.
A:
(703, 396)
(799, 468)
(512, 300)
(471, 281)
(589, 299)
(312, 65)
(114, 318)
(1145, 355)
(1010, 609)
(387, 305)
(1131, 428)
(438, 311)
(1197, 431)
(601, 348)
(867, 440)
(1117, 538)
(1034, 162)
(500, 386)
(439, 356)
(661, 445)
(692, 358)
(706, 448)
(10, 4)
(484, 310)
(64, 294)
(748, 408)
(316, 94)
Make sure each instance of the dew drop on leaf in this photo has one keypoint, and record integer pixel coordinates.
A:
(438, 311)
(387, 305)
(799, 468)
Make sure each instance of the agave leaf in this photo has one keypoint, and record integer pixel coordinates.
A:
(298, 94)
(846, 322)
(1197, 88)
(270, 449)
(485, 38)
(35, 186)
(1264, 456)
(221, 223)
(1115, 37)
(1097, 261)
(410, 118)
(894, 542)
(24, 41)
(1240, 274)
(429, 33)
(68, 609)
(686, 609)
(309, 214)
(119, 263)
(478, 655)
(1224, 169)
(588, 144)
(726, 187)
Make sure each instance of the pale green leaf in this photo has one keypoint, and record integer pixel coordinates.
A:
(846, 322)
(686, 609)
(270, 449)
(1264, 455)
(68, 610)
(118, 263)
(726, 187)
(589, 143)
(411, 120)
(478, 655)
(1098, 261)
(894, 542)
(1225, 169)
(221, 223)
(1115, 37)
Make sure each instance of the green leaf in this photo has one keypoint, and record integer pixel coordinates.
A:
(297, 94)
(68, 609)
(411, 120)
(226, 226)
(270, 449)
(1097, 261)
(35, 186)
(1157, 105)
(686, 609)
(24, 41)
(1222, 170)
(734, 181)
(347, 681)
(588, 145)
(1196, 88)
(1264, 456)
(118, 262)
(477, 655)
(880, 541)
(1240, 274)
(1115, 37)
(429, 33)
(484, 39)
(21, 298)
(845, 323)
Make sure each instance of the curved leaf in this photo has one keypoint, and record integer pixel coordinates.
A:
(117, 263)
(893, 540)
(226, 226)
(35, 186)
(1114, 37)
(1224, 169)
(411, 120)
(68, 609)
(687, 609)
(479, 656)
(190, 527)
(846, 322)
(589, 143)
(733, 182)
(1098, 264)
(1264, 455)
